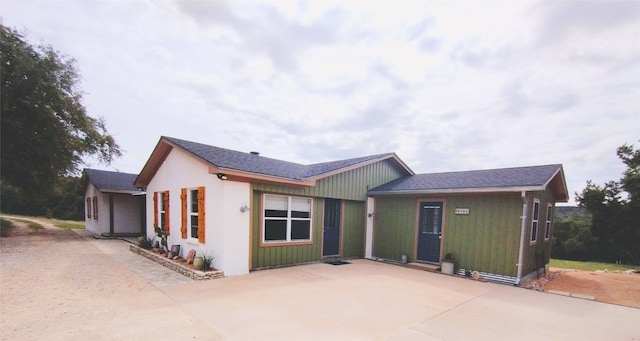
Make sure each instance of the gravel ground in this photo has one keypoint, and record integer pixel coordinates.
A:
(609, 287)
(38, 271)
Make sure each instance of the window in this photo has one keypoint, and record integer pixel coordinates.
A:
(286, 219)
(89, 208)
(161, 210)
(534, 221)
(95, 208)
(547, 227)
(193, 213)
(193, 223)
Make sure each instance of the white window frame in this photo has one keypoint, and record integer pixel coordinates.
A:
(535, 221)
(288, 219)
(162, 213)
(547, 226)
(192, 215)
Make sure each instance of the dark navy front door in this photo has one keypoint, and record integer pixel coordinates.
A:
(331, 239)
(429, 231)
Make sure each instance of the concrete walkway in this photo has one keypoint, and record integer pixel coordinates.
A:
(149, 270)
(107, 291)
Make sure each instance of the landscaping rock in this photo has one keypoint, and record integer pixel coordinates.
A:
(190, 256)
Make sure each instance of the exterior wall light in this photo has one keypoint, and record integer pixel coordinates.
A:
(371, 215)
(222, 176)
(244, 208)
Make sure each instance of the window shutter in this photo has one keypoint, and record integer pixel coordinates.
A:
(201, 215)
(183, 204)
(88, 207)
(166, 213)
(95, 208)
(155, 209)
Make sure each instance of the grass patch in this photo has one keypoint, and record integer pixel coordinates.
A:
(32, 225)
(589, 266)
(5, 226)
(67, 224)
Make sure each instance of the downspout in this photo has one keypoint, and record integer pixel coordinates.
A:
(523, 230)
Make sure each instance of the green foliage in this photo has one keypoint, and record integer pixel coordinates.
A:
(64, 202)
(5, 226)
(615, 209)
(46, 131)
(207, 261)
(589, 266)
(68, 224)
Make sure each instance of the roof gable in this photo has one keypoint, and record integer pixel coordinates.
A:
(250, 166)
(490, 180)
(108, 181)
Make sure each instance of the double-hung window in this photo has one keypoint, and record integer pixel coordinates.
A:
(534, 221)
(286, 219)
(162, 210)
(547, 227)
(193, 213)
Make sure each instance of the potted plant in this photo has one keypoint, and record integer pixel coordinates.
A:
(448, 264)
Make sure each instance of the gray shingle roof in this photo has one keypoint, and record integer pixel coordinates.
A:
(505, 178)
(247, 162)
(108, 181)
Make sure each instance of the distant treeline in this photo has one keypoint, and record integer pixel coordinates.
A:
(64, 202)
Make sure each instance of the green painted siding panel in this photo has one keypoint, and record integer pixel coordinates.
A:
(353, 225)
(350, 185)
(541, 247)
(394, 228)
(488, 238)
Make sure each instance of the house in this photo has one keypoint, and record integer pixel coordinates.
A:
(498, 222)
(113, 206)
(252, 212)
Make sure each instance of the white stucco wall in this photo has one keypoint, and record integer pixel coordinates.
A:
(102, 224)
(126, 213)
(226, 229)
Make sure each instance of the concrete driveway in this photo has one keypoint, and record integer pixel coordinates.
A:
(58, 285)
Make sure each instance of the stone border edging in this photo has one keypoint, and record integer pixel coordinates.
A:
(194, 274)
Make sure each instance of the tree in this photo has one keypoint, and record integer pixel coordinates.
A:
(46, 131)
(615, 218)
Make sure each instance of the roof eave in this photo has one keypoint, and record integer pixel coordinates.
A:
(121, 191)
(458, 191)
(563, 194)
(240, 176)
(157, 157)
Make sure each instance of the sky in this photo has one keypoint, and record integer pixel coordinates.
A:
(446, 85)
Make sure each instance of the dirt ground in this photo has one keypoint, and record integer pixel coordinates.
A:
(610, 287)
(54, 286)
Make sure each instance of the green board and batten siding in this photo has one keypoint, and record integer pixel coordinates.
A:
(395, 228)
(350, 186)
(486, 239)
(353, 229)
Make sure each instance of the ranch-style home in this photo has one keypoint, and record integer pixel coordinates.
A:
(113, 205)
(252, 212)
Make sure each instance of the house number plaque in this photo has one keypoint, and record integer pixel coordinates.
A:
(462, 211)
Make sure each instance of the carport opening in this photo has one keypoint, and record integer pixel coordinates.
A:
(337, 262)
